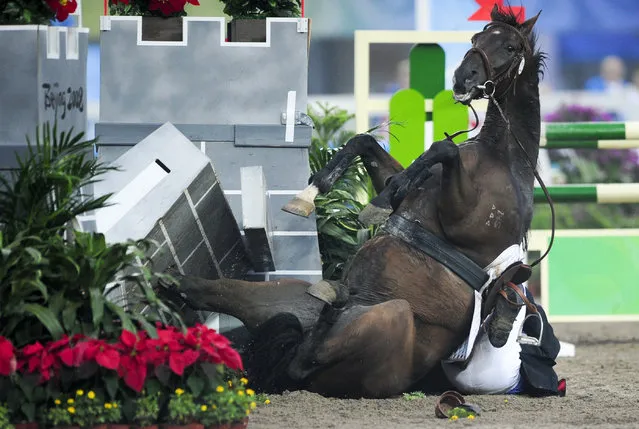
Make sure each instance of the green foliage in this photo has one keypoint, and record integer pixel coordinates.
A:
(340, 233)
(59, 415)
(182, 408)
(5, 422)
(261, 9)
(138, 8)
(414, 395)
(24, 12)
(52, 277)
(147, 409)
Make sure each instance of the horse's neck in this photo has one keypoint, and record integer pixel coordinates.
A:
(523, 112)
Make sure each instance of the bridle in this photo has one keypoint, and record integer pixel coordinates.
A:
(489, 87)
(518, 62)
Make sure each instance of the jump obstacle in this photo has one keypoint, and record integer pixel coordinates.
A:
(584, 265)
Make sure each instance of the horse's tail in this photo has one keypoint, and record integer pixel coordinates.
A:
(270, 353)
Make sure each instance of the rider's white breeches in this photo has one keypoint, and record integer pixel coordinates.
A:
(490, 370)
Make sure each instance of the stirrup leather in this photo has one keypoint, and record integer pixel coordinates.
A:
(532, 310)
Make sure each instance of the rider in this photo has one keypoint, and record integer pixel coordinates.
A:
(522, 365)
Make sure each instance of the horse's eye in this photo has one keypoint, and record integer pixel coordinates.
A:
(511, 48)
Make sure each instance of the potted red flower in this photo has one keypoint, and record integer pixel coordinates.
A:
(161, 19)
(249, 17)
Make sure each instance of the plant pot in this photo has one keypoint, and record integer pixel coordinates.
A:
(242, 424)
(158, 29)
(65, 427)
(119, 426)
(100, 426)
(156, 426)
(32, 425)
(194, 426)
(247, 30)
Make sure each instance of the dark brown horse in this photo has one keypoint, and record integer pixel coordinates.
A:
(398, 311)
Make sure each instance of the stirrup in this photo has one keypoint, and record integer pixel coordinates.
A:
(530, 340)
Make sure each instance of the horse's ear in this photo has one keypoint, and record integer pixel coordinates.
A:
(494, 14)
(527, 26)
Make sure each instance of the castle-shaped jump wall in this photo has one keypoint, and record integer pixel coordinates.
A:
(202, 79)
(236, 102)
(42, 78)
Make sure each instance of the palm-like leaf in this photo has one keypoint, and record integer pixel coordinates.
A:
(340, 232)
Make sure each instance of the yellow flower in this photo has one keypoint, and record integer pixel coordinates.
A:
(179, 391)
(230, 383)
(57, 402)
(471, 417)
(453, 418)
(91, 394)
(108, 406)
(250, 392)
(268, 401)
(505, 401)
(214, 407)
(219, 389)
(240, 392)
(115, 405)
(253, 405)
(79, 392)
(71, 410)
(248, 412)
(244, 380)
(203, 408)
(70, 401)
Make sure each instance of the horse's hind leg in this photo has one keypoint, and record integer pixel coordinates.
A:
(366, 352)
(253, 303)
(379, 164)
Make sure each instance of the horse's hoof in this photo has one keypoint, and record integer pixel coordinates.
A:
(324, 291)
(373, 215)
(303, 203)
(502, 319)
(299, 207)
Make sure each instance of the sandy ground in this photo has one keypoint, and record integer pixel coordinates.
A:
(603, 382)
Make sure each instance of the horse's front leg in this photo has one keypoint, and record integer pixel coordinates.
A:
(379, 164)
(380, 207)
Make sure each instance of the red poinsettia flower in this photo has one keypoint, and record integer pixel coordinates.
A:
(167, 7)
(133, 362)
(104, 354)
(62, 8)
(170, 346)
(8, 362)
(119, 1)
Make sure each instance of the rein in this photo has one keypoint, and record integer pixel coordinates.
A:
(488, 88)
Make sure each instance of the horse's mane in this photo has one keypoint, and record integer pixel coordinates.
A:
(507, 16)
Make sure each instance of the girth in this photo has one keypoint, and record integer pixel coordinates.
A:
(438, 249)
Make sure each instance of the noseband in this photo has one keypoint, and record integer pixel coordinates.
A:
(495, 79)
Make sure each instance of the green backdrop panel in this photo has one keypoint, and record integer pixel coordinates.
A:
(449, 117)
(594, 276)
(427, 69)
(408, 117)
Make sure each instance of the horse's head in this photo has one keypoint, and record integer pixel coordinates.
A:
(499, 54)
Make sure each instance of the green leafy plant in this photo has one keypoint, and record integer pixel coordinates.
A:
(182, 407)
(61, 414)
(228, 404)
(261, 9)
(39, 12)
(5, 421)
(340, 233)
(413, 396)
(111, 413)
(161, 8)
(147, 409)
(54, 278)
